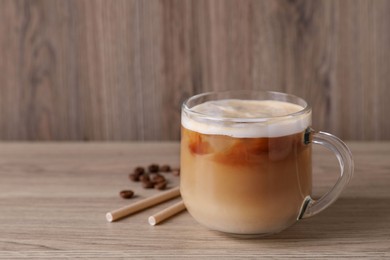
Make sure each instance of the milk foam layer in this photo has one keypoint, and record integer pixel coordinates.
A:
(278, 120)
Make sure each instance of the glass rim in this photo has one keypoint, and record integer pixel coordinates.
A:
(305, 109)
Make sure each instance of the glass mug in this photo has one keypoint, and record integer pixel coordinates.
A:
(246, 161)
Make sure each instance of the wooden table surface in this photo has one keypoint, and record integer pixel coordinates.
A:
(54, 196)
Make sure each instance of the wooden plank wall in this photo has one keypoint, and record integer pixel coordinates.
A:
(119, 70)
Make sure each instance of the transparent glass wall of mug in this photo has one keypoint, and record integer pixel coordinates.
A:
(246, 161)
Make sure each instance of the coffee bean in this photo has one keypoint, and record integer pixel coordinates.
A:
(160, 185)
(144, 177)
(126, 194)
(153, 168)
(150, 179)
(134, 176)
(139, 170)
(147, 184)
(158, 178)
(165, 168)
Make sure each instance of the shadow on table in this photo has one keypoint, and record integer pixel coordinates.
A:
(346, 218)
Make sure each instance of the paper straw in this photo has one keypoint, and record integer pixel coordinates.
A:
(166, 213)
(142, 204)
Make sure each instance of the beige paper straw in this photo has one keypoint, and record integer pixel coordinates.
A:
(143, 204)
(166, 213)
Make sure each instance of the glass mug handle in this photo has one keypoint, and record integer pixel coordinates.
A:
(312, 207)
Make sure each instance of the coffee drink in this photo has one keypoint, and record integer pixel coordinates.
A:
(245, 165)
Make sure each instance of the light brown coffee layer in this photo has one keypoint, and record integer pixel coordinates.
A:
(244, 185)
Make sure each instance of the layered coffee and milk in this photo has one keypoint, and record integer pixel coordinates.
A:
(245, 167)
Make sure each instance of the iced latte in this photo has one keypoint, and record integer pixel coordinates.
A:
(245, 165)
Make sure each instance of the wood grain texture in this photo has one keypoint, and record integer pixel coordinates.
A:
(54, 197)
(120, 69)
